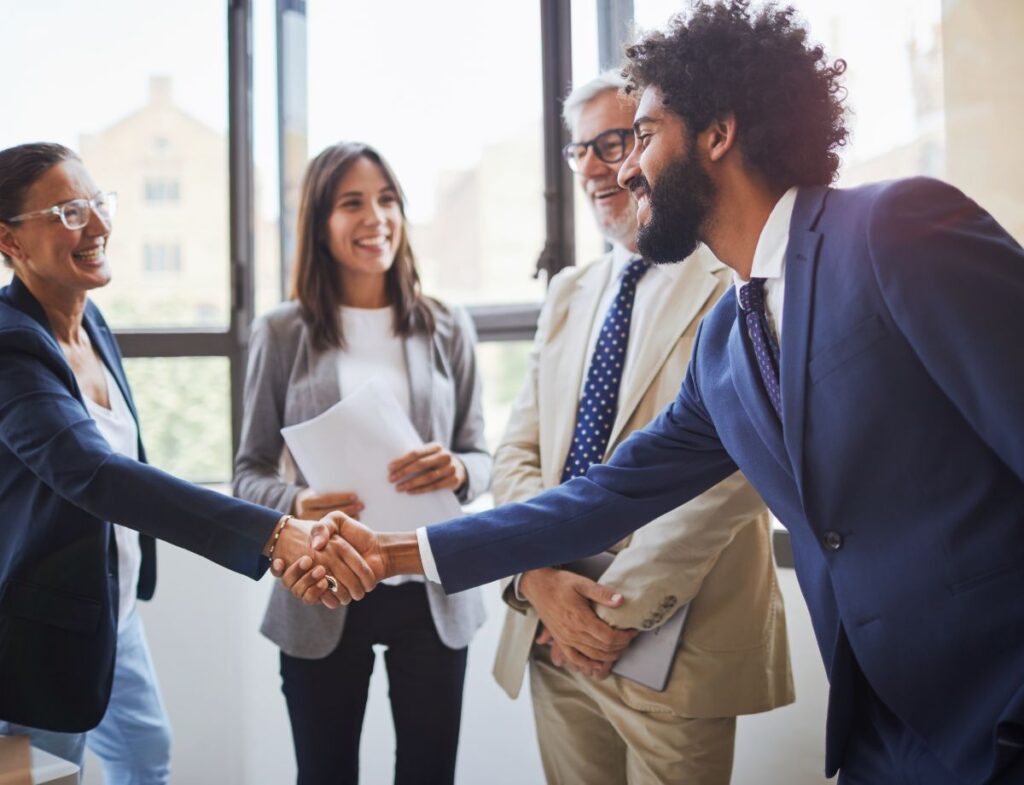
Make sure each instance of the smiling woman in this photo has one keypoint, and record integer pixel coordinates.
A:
(358, 315)
(71, 464)
(67, 252)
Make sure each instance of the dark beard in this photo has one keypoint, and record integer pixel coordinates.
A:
(679, 206)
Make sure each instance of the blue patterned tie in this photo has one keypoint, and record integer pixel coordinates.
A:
(766, 348)
(600, 400)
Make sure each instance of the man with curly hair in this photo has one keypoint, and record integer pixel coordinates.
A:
(594, 726)
(865, 374)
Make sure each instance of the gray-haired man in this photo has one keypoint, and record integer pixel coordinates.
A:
(592, 381)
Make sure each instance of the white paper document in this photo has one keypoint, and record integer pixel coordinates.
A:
(349, 447)
(648, 660)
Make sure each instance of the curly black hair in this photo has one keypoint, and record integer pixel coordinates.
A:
(724, 58)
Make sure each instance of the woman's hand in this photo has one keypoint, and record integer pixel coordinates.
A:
(312, 506)
(430, 468)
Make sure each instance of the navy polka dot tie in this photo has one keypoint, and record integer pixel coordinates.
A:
(766, 348)
(600, 400)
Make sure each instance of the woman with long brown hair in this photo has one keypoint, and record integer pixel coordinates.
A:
(357, 314)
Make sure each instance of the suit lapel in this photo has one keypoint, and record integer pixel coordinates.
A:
(674, 308)
(322, 389)
(571, 358)
(418, 359)
(103, 343)
(801, 265)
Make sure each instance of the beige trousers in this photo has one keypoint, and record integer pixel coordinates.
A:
(588, 735)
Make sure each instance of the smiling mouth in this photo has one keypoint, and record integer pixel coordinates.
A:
(606, 193)
(374, 243)
(90, 255)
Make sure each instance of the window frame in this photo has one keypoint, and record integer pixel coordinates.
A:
(230, 343)
(503, 322)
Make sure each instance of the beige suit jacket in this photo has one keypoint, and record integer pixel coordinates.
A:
(715, 551)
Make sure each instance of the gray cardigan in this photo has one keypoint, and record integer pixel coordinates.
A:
(289, 382)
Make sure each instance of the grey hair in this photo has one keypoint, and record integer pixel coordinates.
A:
(587, 92)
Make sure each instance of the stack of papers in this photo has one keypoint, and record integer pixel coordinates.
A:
(349, 447)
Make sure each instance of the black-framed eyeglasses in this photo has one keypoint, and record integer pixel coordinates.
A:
(74, 214)
(610, 146)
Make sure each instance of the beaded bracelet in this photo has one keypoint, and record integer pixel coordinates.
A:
(277, 533)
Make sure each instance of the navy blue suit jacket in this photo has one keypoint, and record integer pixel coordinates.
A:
(898, 468)
(60, 485)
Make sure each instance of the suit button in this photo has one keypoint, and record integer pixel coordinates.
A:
(833, 541)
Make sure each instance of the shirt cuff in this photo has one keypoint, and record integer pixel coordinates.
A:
(515, 589)
(427, 556)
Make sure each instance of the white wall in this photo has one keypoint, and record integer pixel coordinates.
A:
(221, 686)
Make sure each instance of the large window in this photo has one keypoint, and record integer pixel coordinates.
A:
(150, 120)
(150, 124)
(458, 115)
(932, 89)
(185, 414)
(195, 139)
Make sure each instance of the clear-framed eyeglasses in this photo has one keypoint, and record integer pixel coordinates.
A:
(74, 214)
(610, 146)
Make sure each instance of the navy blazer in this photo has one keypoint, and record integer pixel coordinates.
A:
(898, 468)
(60, 484)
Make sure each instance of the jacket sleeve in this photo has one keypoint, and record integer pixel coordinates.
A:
(257, 476)
(667, 560)
(51, 433)
(953, 280)
(672, 460)
(468, 442)
(517, 469)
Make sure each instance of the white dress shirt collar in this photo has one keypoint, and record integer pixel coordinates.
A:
(621, 256)
(770, 259)
(770, 253)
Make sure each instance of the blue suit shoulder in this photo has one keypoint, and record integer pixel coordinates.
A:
(20, 332)
(897, 211)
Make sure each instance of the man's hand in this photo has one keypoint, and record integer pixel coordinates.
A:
(570, 659)
(306, 553)
(310, 505)
(563, 601)
(430, 468)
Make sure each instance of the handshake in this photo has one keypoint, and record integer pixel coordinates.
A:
(336, 560)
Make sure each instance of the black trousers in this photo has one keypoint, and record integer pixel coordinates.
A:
(327, 698)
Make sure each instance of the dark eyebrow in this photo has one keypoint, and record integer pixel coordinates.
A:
(388, 189)
(641, 120)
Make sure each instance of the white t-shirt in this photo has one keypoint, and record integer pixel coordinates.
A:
(118, 427)
(373, 351)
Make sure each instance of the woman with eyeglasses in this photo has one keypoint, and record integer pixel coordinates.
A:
(356, 315)
(75, 491)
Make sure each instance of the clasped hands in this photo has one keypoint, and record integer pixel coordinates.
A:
(579, 639)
